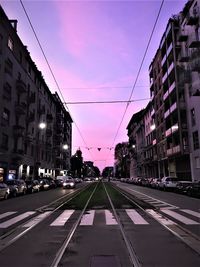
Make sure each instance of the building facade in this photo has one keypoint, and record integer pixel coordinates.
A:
(26, 145)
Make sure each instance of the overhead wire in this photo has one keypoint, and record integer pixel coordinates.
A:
(138, 73)
(51, 71)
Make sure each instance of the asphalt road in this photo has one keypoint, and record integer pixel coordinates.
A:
(97, 242)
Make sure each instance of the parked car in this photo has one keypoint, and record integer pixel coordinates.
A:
(193, 190)
(181, 186)
(168, 183)
(44, 184)
(51, 181)
(4, 191)
(69, 182)
(155, 183)
(17, 187)
(33, 186)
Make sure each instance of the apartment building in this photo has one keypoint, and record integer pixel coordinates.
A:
(27, 112)
(122, 160)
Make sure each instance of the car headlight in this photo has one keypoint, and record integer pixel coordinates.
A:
(71, 184)
(64, 184)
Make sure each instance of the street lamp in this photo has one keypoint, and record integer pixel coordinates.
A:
(65, 147)
(42, 125)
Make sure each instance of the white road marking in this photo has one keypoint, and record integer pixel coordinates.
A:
(88, 218)
(3, 215)
(160, 218)
(135, 217)
(63, 218)
(16, 219)
(179, 217)
(37, 219)
(110, 220)
(144, 195)
(191, 212)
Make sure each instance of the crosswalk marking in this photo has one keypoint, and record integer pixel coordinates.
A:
(63, 218)
(179, 217)
(158, 217)
(16, 219)
(110, 220)
(191, 212)
(37, 219)
(136, 217)
(88, 218)
(6, 214)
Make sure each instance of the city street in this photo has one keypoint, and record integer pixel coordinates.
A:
(97, 238)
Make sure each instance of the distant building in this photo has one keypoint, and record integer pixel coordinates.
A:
(26, 150)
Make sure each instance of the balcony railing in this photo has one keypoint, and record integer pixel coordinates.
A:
(173, 150)
(193, 41)
(163, 60)
(169, 49)
(166, 95)
(172, 87)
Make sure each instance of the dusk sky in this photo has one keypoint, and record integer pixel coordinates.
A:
(95, 49)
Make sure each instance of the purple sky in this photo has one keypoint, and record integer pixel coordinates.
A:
(95, 49)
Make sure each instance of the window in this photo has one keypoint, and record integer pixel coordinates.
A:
(197, 161)
(7, 91)
(4, 141)
(8, 66)
(195, 140)
(193, 117)
(10, 43)
(6, 115)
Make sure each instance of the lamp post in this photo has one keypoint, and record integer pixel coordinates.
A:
(41, 126)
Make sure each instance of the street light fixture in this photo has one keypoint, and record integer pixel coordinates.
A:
(65, 147)
(42, 125)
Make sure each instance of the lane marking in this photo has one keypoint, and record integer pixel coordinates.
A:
(6, 214)
(168, 204)
(16, 219)
(179, 217)
(88, 218)
(160, 218)
(110, 219)
(63, 218)
(37, 219)
(191, 212)
(135, 217)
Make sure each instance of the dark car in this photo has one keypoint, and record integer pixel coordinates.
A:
(33, 186)
(181, 187)
(4, 191)
(193, 190)
(44, 184)
(17, 187)
(51, 182)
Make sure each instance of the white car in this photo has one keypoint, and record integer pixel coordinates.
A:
(168, 182)
(4, 191)
(69, 182)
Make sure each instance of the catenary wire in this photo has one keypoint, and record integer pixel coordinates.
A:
(105, 102)
(51, 71)
(138, 73)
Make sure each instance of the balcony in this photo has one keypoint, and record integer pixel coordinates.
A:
(154, 142)
(172, 87)
(166, 95)
(195, 64)
(166, 114)
(193, 41)
(18, 131)
(20, 108)
(164, 78)
(21, 87)
(192, 19)
(163, 60)
(168, 132)
(173, 150)
(169, 49)
(182, 37)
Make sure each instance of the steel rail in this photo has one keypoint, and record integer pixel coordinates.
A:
(62, 249)
(132, 253)
(19, 232)
(186, 236)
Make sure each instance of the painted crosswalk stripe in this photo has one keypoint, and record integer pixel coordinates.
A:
(110, 220)
(6, 214)
(160, 218)
(179, 217)
(36, 219)
(16, 219)
(135, 217)
(88, 218)
(191, 212)
(63, 218)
